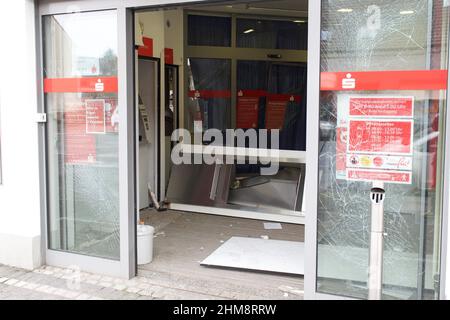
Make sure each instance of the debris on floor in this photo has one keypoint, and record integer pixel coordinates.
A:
(185, 245)
(272, 226)
(291, 290)
(161, 233)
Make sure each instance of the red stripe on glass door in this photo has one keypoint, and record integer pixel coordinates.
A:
(81, 85)
(209, 94)
(384, 80)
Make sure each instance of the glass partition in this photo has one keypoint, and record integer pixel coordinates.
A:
(209, 31)
(275, 91)
(253, 90)
(210, 93)
(272, 34)
(382, 120)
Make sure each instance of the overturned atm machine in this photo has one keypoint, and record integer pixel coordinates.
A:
(240, 189)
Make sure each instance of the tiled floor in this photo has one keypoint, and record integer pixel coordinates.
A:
(182, 240)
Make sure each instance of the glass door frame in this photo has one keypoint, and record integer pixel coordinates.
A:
(126, 266)
(312, 163)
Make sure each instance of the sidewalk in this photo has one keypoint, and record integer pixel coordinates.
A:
(50, 283)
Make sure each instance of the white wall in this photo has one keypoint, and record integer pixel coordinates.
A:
(19, 193)
(166, 30)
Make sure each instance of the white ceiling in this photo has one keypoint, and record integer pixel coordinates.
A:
(290, 8)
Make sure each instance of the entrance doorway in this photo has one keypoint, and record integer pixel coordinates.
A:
(230, 78)
(89, 190)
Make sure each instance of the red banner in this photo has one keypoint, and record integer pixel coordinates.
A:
(209, 94)
(81, 85)
(270, 96)
(384, 80)
(283, 97)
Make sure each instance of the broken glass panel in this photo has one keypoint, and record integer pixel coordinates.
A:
(362, 43)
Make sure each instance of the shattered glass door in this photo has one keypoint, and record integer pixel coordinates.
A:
(382, 119)
(81, 100)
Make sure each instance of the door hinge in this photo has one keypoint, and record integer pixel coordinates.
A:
(41, 118)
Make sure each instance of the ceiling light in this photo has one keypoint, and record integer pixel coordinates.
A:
(249, 31)
(299, 21)
(345, 10)
(407, 12)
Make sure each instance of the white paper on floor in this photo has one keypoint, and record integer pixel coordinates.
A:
(272, 226)
(259, 254)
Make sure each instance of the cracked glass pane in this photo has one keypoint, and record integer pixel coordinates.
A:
(389, 56)
(81, 101)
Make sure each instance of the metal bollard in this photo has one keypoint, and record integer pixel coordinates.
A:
(377, 195)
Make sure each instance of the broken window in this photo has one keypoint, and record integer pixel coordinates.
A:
(391, 54)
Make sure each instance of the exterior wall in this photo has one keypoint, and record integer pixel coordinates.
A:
(446, 253)
(20, 226)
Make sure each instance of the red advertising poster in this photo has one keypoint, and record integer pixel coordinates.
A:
(95, 116)
(147, 49)
(79, 146)
(168, 55)
(275, 112)
(380, 136)
(388, 176)
(247, 111)
(374, 138)
(382, 106)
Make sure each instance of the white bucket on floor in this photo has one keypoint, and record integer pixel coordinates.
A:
(145, 243)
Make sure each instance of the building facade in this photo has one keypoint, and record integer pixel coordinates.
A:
(376, 115)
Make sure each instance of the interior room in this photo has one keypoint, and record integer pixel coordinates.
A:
(232, 66)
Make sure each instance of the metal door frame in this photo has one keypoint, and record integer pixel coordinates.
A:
(125, 267)
(312, 174)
